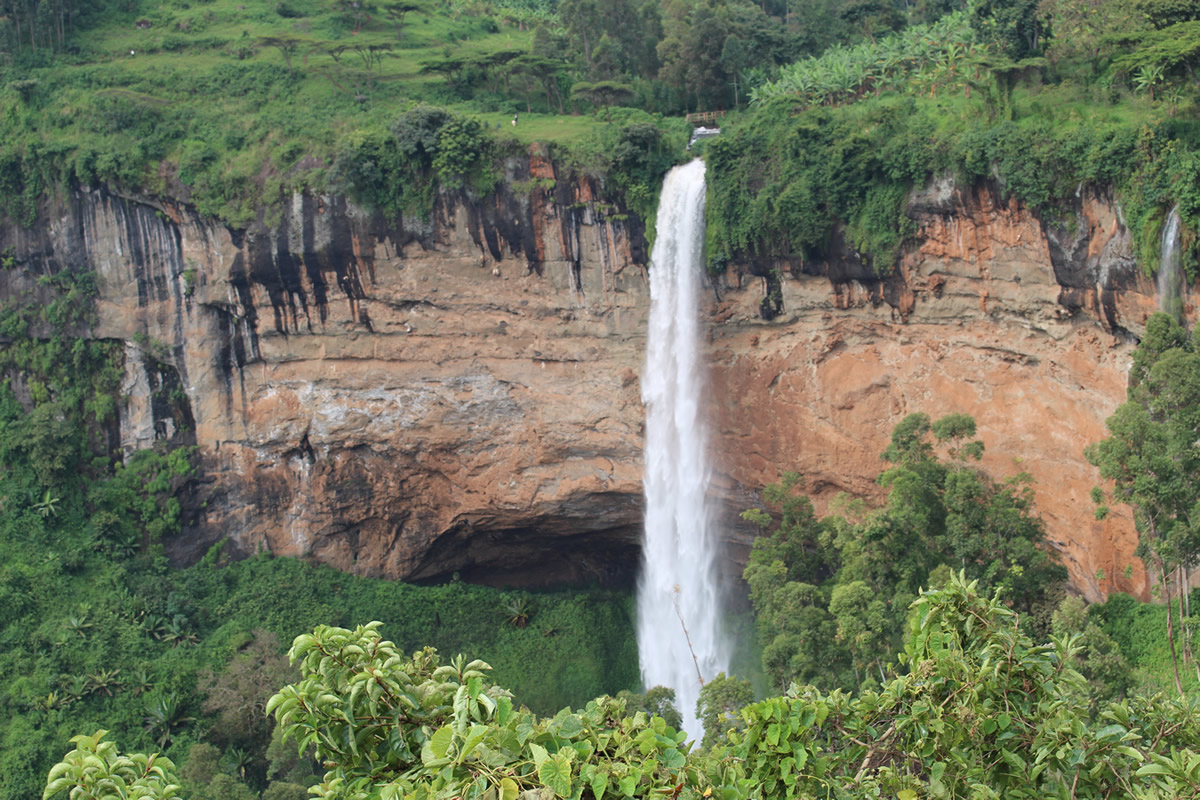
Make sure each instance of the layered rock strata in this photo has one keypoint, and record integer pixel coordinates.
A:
(1027, 327)
(395, 397)
(411, 398)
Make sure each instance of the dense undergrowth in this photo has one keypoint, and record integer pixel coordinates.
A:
(983, 711)
(97, 629)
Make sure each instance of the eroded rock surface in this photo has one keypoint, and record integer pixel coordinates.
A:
(410, 398)
(1029, 329)
(397, 397)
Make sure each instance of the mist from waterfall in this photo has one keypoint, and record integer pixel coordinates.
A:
(680, 640)
(1170, 269)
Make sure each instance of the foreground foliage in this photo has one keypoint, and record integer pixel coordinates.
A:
(982, 712)
(830, 595)
(95, 769)
(98, 630)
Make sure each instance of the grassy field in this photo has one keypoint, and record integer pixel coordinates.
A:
(229, 102)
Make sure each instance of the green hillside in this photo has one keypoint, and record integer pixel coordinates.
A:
(838, 109)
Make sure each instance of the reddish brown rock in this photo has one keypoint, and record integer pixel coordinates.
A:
(975, 324)
(409, 398)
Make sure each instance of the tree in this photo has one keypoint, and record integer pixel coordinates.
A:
(863, 625)
(795, 628)
(689, 51)
(202, 765)
(449, 68)
(1165, 13)
(1082, 29)
(397, 11)
(97, 769)
(1099, 658)
(721, 700)
(583, 22)
(871, 17)
(1151, 458)
(543, 70)
(830, 595)
(286, 45)
(238, 695)
(734, 59)
(658, 700)
(357, 9)
(604, 94)
(1013, 26)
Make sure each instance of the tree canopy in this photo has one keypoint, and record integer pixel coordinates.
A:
(1152, 460)
(979, 711)
(830, 595)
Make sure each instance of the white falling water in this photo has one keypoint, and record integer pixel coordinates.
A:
(680, 643)
(1170, 271)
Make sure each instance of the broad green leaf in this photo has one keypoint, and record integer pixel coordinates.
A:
(600, 785)
(673, 759)
(504, 710)
(509, 790)
(555, 774)
(439, 743)
(1153, 769)
(569, 726)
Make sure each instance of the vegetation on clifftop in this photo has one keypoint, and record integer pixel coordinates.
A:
(1039, 101)
(230, 103)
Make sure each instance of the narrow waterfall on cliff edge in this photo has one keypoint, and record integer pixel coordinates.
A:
(680, 643)
(1170, 271)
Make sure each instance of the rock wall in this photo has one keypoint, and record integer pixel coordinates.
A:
(410, 398)
(397, 397)
(1027, 327)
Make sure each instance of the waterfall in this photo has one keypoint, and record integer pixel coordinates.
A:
(679, 602)
(1170, 272)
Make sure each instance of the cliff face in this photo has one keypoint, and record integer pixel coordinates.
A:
(395, 397)
(410, 398)
(1026, 327)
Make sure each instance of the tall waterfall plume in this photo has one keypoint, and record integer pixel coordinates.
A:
(680, 641)
(1170, 268)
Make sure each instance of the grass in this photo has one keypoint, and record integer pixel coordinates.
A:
(201, 94)
(537, 127)
(1140, 629)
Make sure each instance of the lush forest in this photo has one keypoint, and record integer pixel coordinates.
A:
(925, 648)
(229, 105)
